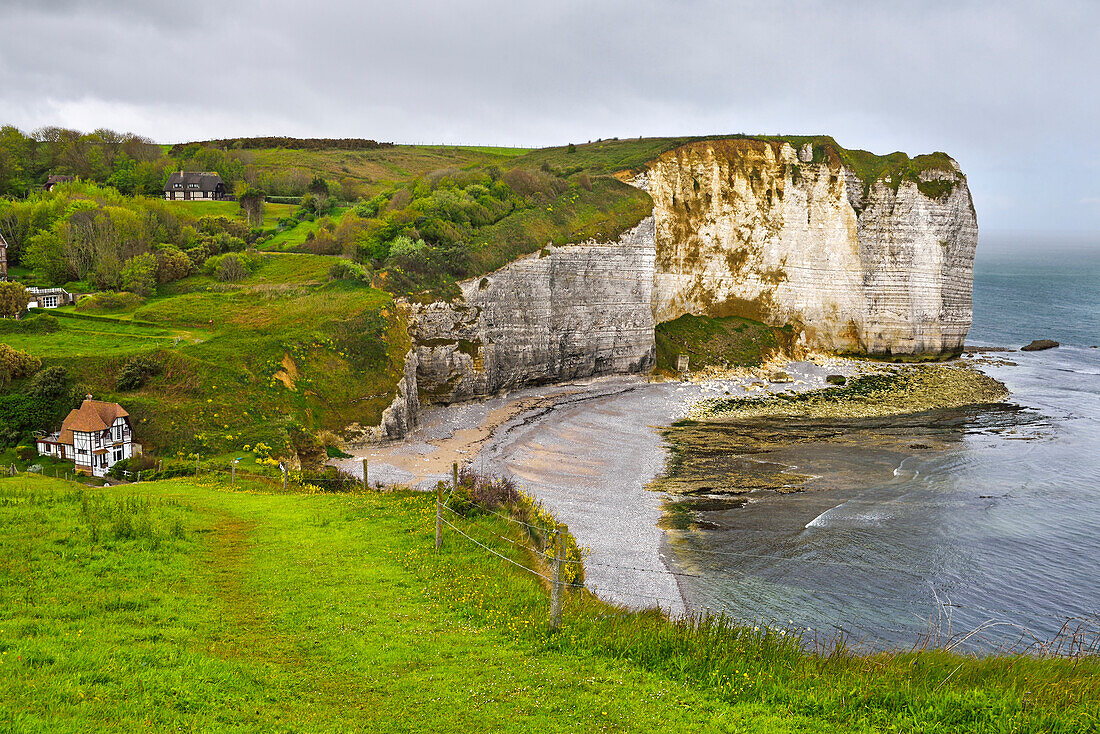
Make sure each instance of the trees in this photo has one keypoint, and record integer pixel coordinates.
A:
(251, 201)
(13, 300)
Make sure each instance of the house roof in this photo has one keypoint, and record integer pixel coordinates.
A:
(207, 181)
(56, 178)
(92, 415)
(3, 242)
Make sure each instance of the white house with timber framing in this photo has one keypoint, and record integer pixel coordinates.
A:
(93, 436)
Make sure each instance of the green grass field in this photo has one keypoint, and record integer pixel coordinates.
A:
(230, 210)
(190, 605)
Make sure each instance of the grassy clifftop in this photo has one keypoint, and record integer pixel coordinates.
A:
(198, 606)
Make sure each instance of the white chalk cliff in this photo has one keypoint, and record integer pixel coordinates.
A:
(758, 229)
(740, 227)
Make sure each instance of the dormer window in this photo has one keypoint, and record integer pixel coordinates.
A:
(178, 186)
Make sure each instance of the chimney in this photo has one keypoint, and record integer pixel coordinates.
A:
(88, 396)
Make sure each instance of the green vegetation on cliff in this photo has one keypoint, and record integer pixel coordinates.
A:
(196, 606)
(731, 341)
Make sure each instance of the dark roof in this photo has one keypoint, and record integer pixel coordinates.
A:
(3, 242)
(206, 181)
(56, 178)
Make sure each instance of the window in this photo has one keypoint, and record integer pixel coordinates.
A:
(178, 186)
(49, 301)
(99, 439)
(118, 454)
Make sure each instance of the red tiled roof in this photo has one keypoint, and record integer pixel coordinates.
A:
(91, 416)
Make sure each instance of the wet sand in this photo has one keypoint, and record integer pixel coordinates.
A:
(587, 450)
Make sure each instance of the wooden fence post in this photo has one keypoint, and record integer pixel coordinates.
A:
(555, 585)
(283, 467)
(439, 515)
(364, 473)
(454, 476)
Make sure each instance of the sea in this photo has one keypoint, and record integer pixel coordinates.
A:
(977, 530)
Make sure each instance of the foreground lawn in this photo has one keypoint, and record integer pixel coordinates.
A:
(184, 605)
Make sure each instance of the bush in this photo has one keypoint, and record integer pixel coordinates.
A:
(348, 270)
(137, 371)
(13, 299)
(26, 453)
(173, 264)
(15, 364)
(53, 384)
(139, 274)
(110, 301)
(232, 266)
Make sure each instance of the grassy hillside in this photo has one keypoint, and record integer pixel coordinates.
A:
(187, 605)
(240, 362)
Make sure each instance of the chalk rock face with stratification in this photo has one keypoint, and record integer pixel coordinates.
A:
(756, 228)
(565, 312)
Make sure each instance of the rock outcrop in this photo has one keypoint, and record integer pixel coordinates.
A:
(755, 228)
(562, 313)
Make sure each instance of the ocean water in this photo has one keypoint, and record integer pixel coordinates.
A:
(979, 528)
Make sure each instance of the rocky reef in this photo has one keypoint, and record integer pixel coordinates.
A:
(879, 264)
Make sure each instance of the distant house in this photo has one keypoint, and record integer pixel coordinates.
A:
(3, 257)
(94, 436)
(55, 179)
(49, 297)
(193, 186)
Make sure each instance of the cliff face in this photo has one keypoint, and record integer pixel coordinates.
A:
(755, 228)
(566, 312)
(880, 264)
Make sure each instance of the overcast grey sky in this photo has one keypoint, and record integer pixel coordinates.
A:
(1010, 89)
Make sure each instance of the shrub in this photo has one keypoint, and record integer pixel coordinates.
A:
(232, 266)
(13, 299)
(109, 301)
(15, 364)
(344, 269)
(139, 274)
(584, 181)
(532, 184)
(137, 371)
(53, 384)
(26, 453)
(173, 264)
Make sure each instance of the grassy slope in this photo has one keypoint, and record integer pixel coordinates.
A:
(732, 341)
(218, 390)
(183, 605)
(376, 170)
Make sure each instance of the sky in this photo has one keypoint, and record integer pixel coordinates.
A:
(1009, 89)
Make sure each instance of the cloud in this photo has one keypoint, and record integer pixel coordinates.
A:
(999, 85)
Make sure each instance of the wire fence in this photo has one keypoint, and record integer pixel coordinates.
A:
(1077, 635)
